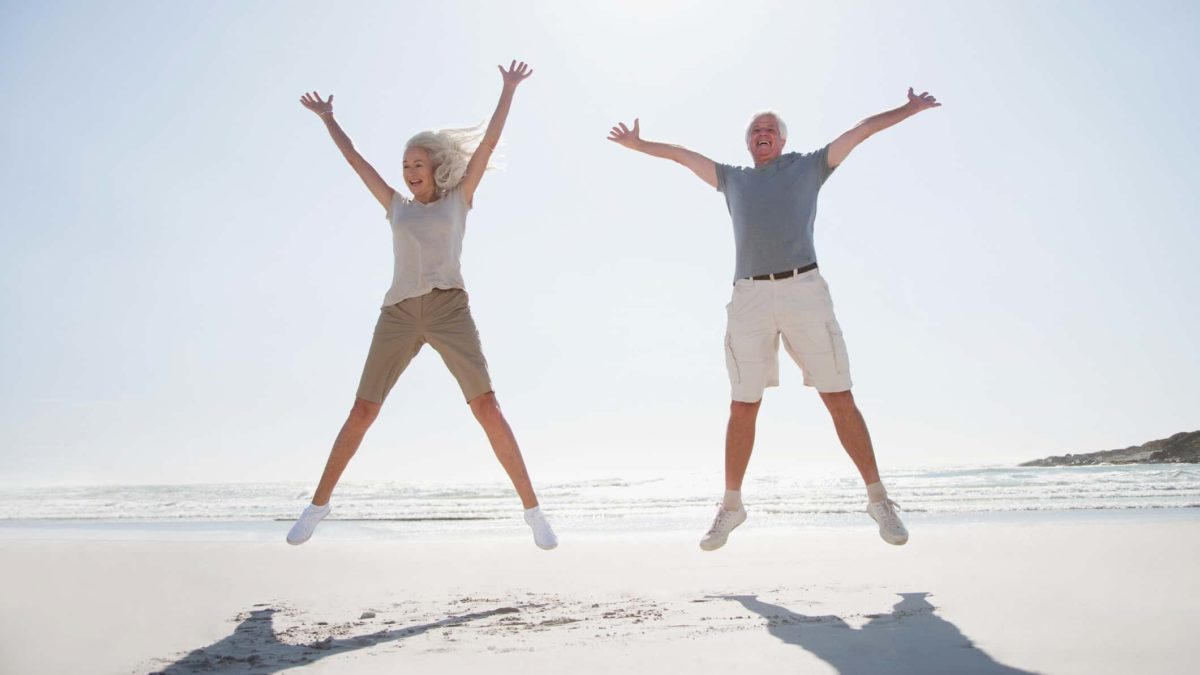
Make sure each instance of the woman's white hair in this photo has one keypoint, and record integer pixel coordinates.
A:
(449, 150)
(767, 113)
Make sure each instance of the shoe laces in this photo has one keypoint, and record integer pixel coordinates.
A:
(889, 510)
(723, 515)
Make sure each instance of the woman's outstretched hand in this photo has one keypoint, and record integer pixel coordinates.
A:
(514, 75)
(313, 102)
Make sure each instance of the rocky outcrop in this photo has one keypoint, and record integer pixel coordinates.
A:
(1183, 447)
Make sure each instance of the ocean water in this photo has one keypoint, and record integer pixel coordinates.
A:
(679, 502)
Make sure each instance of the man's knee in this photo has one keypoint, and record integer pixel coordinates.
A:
(743, 410)
(839, 402)
(485, 407)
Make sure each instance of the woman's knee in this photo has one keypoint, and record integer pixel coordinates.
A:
(363, 412)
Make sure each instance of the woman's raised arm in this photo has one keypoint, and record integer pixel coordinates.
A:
(374, 182)
(512, 77)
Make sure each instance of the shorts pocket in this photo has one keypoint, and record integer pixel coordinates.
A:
(740, 296)
(841, 360)
(731, 362)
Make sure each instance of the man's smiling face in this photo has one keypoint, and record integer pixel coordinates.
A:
(764, 139)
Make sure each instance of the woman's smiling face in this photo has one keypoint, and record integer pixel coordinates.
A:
(418, 174)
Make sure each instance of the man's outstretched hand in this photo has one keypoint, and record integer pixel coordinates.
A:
(922, 102)
(625, 136)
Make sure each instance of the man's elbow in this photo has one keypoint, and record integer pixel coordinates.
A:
(861, 132)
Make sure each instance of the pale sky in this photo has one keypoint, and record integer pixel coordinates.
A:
(190, 273)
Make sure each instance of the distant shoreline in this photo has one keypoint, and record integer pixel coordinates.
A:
(1182, 448)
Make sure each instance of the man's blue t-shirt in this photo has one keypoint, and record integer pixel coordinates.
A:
(773, 208)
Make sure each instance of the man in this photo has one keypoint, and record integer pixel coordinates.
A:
(778, 291)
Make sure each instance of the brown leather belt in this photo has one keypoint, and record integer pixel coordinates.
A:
(785, 275)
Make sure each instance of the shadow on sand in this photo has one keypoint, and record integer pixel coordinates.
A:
(911, 639)
(255, 647)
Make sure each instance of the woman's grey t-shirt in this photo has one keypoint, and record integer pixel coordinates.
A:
(773, 208)
(427, 243)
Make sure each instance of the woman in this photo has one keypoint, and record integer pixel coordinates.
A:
(426, 301)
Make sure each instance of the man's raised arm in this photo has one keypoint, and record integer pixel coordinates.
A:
(841, 147)
(700, 165)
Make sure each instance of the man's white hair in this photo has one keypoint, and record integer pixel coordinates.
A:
(767, 113)
(449, 150)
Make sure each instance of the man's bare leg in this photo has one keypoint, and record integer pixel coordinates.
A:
(739, 441)
(852, 432)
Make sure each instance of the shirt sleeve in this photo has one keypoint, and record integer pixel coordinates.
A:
(721, 169)
(397, 199)
(823, 169)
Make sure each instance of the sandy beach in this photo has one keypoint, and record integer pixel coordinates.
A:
(1086, 595)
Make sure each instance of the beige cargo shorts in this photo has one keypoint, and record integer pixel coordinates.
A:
(798, 309)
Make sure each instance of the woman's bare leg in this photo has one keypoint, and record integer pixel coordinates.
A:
(487, 410)
(362, 414)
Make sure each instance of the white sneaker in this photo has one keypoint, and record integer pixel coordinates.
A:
(543, 534)
(722, 525)
(306, 524)
(890, 527)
